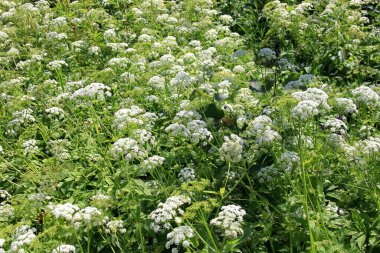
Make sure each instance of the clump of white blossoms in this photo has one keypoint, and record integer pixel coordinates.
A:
(65, 211)
(115, 226)
(64, 248)
(177, 129)
(23, 236)
(6, 211)
(366, 131)
(30, 147)
(4, 196)
(97, 91)
(2, 241)
(57, 64)
(21, 118)
(232, 149)
(335, 126)
(129, 149)
(187, 174)
(134, 115)
(370, 146)
(198, 132)
(289, 160)
(346, 106)
(266, 174)
(229, 221)
(154, 162)
(366, 96)
(59, 149)
(144, 137)
(87, 216)
(316, 95)
(101, 201)
(305, 109)
(167, 212)
(185, 116)
(179, 236)
(55, 113)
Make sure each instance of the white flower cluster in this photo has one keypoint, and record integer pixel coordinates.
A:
(23, 236)
(2, 241)
(187, 174)
(101, 201)
(370, 146)
(55, 113)
(30, 147)
(232, 149)
(366, 96)
(65, 211)
(335, 126)
(38, 197)
(366, 131)
(306, 109)
(6, 211)
(198, 132)
(64, 248)
(58, 148)
(266, 174)
(21, 118)
(57, 64)
(167, 212)
(179, 236)
(229, 220)
(97, 91)
(115, 226)
(134, 115)
(129, 149)
(154, 162)
(87, 216)
(346, 106)
(144, 137)
(4, 196)
(289, 159)
(316, 95)
(261, 128)
(186, 116)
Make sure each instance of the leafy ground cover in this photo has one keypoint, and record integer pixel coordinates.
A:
(189, 126)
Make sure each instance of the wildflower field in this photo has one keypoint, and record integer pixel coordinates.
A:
(189, 126)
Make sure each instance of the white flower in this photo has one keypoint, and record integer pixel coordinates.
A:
(115, 226)
(57, 64)
(30, 147)
(346, 106)
(55, 112)
(154, 162)
(289, 160)
(366, 96)
(128, 148)
(167, 212)
(306, 109)
(336, 126)
(232, 149)
(187, 174)
(229, 220)
(93, 91)
(88, 216)
(23, 235)
(179, 236)
(64, 248)
(66, 211)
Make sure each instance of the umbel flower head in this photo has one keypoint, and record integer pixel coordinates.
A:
(229, 221)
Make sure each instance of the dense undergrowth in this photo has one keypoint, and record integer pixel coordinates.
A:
(189, 126)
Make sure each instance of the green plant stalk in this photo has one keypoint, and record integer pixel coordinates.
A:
(305, 188)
